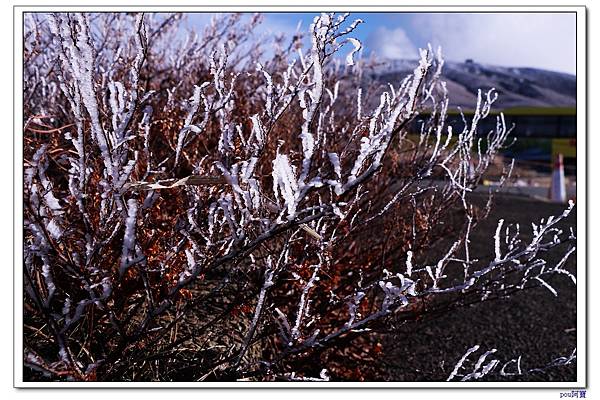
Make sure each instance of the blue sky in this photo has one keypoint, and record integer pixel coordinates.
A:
(541, 40)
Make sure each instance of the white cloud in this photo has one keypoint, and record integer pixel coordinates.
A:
(542, 40)
(392, 43)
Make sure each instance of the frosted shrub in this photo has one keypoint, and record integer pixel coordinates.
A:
(198, 209)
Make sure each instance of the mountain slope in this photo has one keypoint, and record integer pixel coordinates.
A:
(517, 87)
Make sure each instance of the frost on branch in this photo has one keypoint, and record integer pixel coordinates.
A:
(486, 367)
(129, 237)
(285, 185)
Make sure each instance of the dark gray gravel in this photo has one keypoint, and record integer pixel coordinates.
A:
(533, 324)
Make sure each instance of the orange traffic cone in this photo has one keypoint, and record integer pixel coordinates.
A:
(558, 189)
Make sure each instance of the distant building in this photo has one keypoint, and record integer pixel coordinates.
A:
(541, 132)
(546, 122)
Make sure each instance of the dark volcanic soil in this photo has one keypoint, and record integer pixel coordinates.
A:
(533, 323)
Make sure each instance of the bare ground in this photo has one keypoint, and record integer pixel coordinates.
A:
(533, 324)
